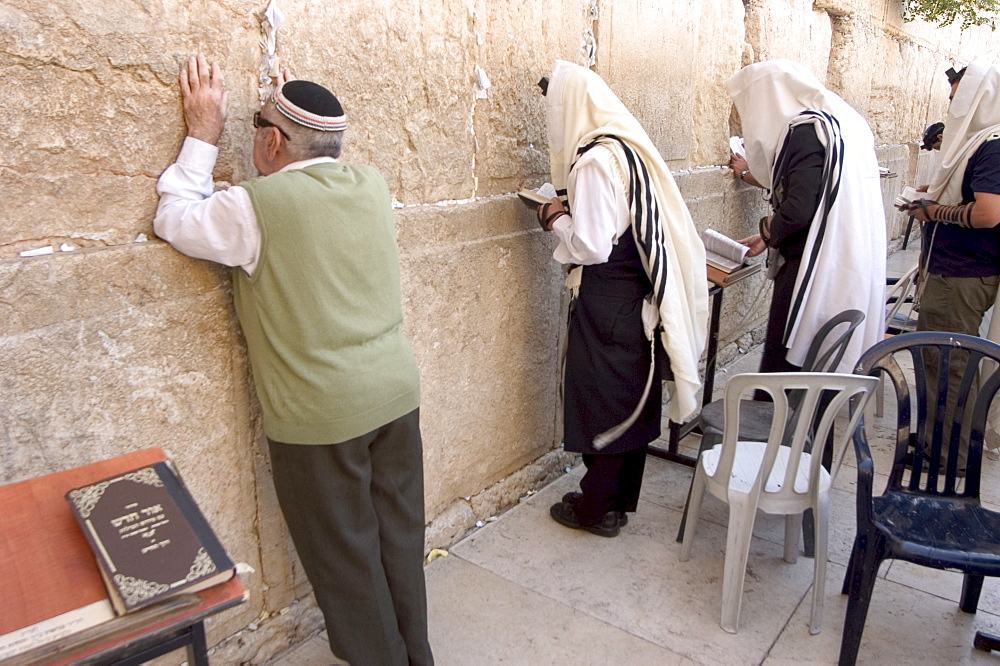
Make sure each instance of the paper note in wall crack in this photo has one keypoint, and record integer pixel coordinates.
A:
(736, 145)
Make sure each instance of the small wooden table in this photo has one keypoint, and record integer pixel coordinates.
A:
(47, 570)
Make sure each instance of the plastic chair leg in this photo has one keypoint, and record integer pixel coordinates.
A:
(987, 642)
(742, 513)
(879, 399)
(821, 535)
(793, 524)
(694, 507)
(972, 586)
(852, 567)
(709, 438)
(861, 586)
(808, 527)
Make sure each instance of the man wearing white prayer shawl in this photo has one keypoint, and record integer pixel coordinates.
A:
(826, 235)
(639, 287)
(961, 257)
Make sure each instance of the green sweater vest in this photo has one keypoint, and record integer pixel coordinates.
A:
(321, 313)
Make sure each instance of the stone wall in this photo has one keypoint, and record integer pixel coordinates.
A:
(114, 342)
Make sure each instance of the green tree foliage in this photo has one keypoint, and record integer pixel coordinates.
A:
(946, 12)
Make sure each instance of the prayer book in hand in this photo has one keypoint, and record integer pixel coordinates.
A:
(149, 537)
(535, 198)
(906, 198)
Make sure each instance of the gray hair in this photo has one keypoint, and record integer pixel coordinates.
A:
(306, 143)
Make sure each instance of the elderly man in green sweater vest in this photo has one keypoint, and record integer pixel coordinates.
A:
(316, 287)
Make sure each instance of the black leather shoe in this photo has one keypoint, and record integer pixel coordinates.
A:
(564, 514)
(574, 499)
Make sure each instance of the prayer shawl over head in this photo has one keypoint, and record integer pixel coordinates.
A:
(973, 118)
(582, 110)
(843, 265)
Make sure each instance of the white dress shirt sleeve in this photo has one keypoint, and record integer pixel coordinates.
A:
(220, 226)
(600, 211)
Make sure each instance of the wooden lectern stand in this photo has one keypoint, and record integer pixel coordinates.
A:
(47, 570)
(718, 280)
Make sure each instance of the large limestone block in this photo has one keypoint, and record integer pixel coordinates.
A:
(853, 42)
(92, 115)
(516, 44)
(721, 35)
(403, 71)
(790, 29)
(144, 365)
(638, 49)
(908, 91)
(482, 306)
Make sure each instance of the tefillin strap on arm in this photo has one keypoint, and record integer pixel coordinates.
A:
(960, 215)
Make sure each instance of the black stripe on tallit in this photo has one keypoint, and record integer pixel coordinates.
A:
(645, 216)
(833, 168)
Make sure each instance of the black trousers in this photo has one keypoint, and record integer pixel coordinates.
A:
(355, 511)
(612, 483)
(773, 356)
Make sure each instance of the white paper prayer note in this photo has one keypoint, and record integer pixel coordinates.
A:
(736, 145)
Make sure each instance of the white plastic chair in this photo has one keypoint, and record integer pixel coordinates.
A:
(796, 480)
(897, 319)
(896, 296)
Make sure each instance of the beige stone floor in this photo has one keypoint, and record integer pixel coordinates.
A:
(525, 590)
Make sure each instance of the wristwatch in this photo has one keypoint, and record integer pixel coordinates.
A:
(743, 174)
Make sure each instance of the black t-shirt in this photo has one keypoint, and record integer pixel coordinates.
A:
(961, 252)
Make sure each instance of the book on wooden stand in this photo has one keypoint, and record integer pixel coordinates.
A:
(724, 279)
(726, 259)
(149, 538)
(55, 604)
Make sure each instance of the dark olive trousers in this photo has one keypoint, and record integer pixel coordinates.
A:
(355, 511)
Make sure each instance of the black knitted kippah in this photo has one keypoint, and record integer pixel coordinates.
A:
(310, 104)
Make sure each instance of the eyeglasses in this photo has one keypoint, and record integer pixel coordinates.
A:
(258, 121)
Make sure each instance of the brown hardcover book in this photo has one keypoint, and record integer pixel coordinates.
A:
(725, 279)
(149, 538)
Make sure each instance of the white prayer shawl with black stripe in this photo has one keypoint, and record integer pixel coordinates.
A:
(834, 262)
(973, 119)
(843, 264)
(583, 109)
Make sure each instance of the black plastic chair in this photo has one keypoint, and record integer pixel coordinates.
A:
(756, 415)
(923, 517)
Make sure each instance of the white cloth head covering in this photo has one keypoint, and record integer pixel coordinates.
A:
(843, 265)
(973, 117)
(768, 96)
(583, 108)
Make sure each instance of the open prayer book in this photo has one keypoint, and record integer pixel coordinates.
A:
(723, 252)
(725, 258)
(535, 198)
(906, 197)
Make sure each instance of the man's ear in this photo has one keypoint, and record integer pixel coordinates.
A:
(274, 142)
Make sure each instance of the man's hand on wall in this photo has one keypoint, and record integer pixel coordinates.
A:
(206, 100)
(284, 76)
